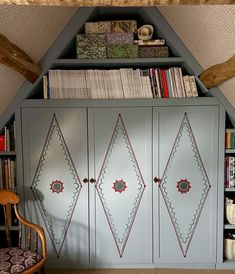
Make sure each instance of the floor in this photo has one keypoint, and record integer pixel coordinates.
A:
(140, 271)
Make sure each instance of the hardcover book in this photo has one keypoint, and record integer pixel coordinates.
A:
(2, 143)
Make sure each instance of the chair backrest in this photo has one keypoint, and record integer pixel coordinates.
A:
(9, 201)
(8, 197)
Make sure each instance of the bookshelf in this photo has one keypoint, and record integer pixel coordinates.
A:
(8, 177)
(229, 195)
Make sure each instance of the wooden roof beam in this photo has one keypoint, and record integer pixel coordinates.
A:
(219, 73)
(15, 58)
(117, 3)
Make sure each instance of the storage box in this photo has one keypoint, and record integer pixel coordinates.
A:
(97, 27)
(153, 51)
(91, 40)
(124, 26)
(120, 38)
(91, 52)
(122, 51)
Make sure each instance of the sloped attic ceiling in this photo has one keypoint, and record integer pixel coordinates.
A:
(207, 31)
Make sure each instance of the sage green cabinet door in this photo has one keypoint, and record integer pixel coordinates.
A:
(120, 199)
(185, 158)
(55, 163)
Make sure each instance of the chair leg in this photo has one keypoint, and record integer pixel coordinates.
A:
(42, 271)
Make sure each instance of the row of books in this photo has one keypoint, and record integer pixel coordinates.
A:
(230, 138)
(229, 172)
(7, 173)
(7, 139)
(119, 84)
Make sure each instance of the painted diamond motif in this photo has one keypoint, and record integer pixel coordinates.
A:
(185, 162)
(55, 162)
(120, 162)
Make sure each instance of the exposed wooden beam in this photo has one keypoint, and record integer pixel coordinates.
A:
(219, 73)
(15, 58)
(117, 3)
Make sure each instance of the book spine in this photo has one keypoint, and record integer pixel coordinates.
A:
(164, 81)
(227, 172)
(2, 142)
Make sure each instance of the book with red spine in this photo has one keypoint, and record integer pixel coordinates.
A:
(2, 143)
(164, 82)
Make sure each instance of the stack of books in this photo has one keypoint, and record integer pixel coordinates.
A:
(7, 140)
(229, 172)
(121, 83)
(230, 138)
(7, 173)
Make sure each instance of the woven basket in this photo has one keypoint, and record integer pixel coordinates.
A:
(230, 213)
(229, 249)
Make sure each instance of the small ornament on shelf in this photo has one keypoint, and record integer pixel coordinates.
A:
(145, 32)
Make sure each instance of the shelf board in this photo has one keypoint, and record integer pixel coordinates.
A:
(230, 150)
(229, 226)
(230, 189)
(118, 63)
(7, 153)
(14, 227)
(227, 264)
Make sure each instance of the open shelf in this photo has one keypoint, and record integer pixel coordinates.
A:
(7, 153)
(229, 189)
(229, 226)
(230, 150)
(14, 227)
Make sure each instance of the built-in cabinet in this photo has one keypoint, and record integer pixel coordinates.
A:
(123, 183)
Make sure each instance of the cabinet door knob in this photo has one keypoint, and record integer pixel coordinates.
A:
(85, 180)
(156, 180)
(92, 180)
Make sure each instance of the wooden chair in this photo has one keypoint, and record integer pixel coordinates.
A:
(21, 258)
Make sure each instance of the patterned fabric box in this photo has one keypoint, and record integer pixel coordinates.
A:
(151, 52)
(122, 51)
(120, 38)
(91, 52)
(91, 40)
(97, 27)
(124, 26)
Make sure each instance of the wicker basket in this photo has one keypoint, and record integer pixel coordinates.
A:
(229, 249)
(230, 213)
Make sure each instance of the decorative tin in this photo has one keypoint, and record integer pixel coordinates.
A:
(120, 38)
(97, 27)
(91, 52)
(124, 26)
(153, 51)
(91, 40)
(122, 51)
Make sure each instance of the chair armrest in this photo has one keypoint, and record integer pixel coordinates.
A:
(36, 227)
